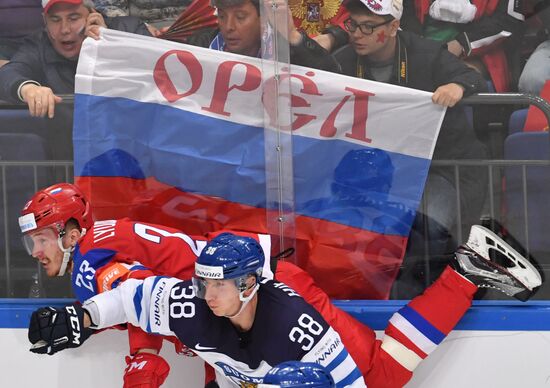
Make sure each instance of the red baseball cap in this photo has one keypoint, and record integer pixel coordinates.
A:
(46, 4)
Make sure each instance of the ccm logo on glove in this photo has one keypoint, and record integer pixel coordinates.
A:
(54, 329)
(74, 324)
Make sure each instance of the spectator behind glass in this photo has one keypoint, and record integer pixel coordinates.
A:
(381, 52)
(46, 64)
(19, 18)
(474, 31)
(360, 194)
(537, 69)
(241, 30)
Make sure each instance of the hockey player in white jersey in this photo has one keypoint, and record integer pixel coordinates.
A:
(237, 321)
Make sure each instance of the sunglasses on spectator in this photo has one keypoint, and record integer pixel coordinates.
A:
(367, 29)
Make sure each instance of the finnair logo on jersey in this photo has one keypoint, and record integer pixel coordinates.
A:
(208, 272)
(235, 374)
(326, 353)
(156, 305)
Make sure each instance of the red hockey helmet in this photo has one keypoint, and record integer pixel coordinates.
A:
(54, 206)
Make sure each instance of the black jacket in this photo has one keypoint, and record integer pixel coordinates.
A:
(425, 64)
(308, 53)
(38, 61)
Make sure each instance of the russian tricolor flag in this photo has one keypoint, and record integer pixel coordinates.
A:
(183, 136)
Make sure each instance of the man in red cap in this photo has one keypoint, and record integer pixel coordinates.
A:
(46, 64)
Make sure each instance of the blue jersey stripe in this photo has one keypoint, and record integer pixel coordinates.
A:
(354, 375)
(138, 267)
(157, 279)
(422, 324)
(115, 283)
(137, 300)
(337, 360)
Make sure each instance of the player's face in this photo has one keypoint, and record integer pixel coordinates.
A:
(44, 248)
(65, 24)
(222, 297)
(376, 43)
(240, 27)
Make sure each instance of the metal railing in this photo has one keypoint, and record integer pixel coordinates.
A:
(475, 99)
(491, 198)
(504, 99)
(67, 99)
(509, 99)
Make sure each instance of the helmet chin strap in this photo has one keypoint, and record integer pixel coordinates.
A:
(66, 256)
(66, 253)
(245, 300)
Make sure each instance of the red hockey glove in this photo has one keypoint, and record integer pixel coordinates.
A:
(145, 370)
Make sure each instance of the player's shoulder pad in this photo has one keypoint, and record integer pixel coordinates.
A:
(294, 305)
(279, 288)
(100, 235)
(85, 267)
(298, 327)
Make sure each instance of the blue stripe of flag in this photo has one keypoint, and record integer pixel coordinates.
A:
(181, 159)
(424, 326)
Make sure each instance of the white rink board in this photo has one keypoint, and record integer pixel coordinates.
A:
(487, 359)
(98, 363)
(466, 359)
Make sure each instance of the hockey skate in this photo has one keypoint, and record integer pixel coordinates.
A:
(513, 274)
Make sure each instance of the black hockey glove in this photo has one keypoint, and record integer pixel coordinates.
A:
(54, 329)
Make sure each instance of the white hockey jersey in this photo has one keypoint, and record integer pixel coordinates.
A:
(285, 328)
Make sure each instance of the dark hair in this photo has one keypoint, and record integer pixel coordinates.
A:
(231, 3)
(72, 224)
(357, 7)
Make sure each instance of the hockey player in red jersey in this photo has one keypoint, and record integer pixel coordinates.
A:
(420, 326)
(60, 233)
(109, 252)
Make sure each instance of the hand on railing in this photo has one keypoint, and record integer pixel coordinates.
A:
(66, 99)
(40, 99)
